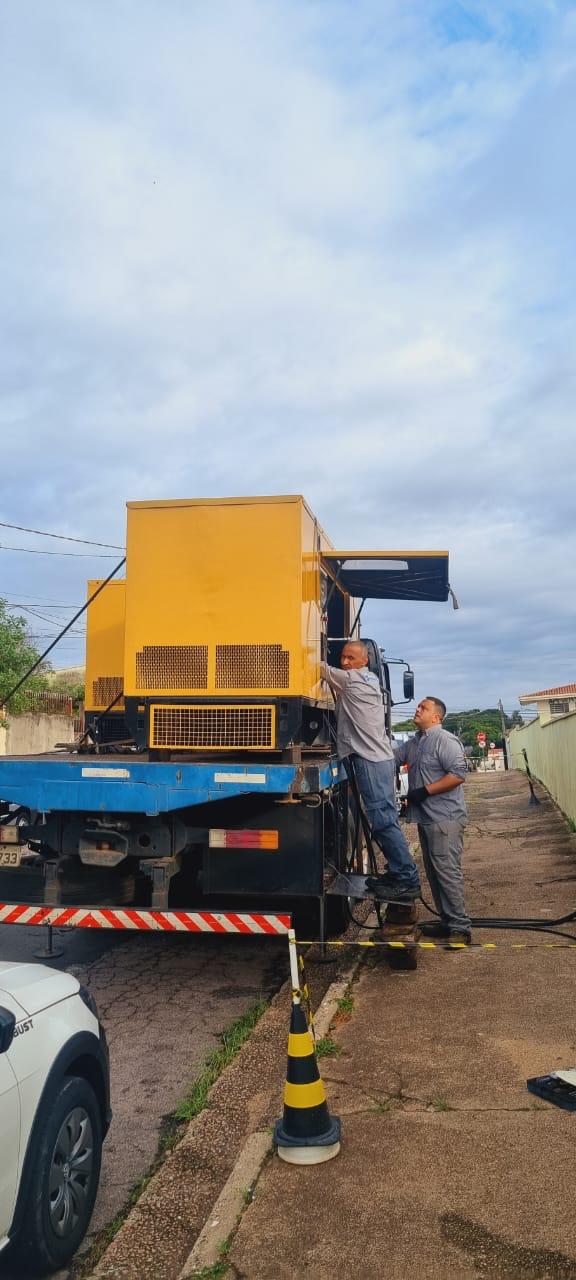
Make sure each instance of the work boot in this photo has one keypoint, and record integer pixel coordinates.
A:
(460, 937)
(395, 891)
(388, 881)
(435, 929)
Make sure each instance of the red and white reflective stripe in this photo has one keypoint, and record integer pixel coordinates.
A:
(131, 918)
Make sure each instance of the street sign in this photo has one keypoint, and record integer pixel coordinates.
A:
(481, 739)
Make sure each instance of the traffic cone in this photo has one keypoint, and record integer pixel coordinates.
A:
(307, 1133)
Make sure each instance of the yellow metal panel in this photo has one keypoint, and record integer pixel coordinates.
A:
(220, 575)
(105, 645)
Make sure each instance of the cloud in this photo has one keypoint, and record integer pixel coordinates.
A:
(258, 248)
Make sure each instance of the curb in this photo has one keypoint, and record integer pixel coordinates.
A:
(228, 1208)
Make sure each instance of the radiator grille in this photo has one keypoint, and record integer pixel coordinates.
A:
(213, 728)
(252, 666)
(172, 667)
(105, 689)
(112, 729)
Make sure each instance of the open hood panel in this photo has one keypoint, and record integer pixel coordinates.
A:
(390, 575)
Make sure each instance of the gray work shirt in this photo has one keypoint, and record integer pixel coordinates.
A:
(430, 756)
(360, 724)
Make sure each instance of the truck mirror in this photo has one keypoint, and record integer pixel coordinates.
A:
(408, 682)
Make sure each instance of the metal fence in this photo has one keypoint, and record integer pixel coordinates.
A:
(47, 702)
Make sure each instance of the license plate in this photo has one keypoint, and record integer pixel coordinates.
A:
(11, 855)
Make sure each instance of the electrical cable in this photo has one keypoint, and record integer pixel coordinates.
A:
(34, 551)
(518, 923)
(64, 537)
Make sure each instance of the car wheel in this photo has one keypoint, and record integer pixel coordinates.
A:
(65, 1172)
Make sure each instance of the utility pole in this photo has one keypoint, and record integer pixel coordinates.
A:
(503, 723)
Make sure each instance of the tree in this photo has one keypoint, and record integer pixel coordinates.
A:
(468, 724)
(17, 655)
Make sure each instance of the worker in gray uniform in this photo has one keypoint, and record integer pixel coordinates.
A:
(361, 736)
(436, 772)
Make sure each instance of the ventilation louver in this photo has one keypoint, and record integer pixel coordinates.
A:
(172, 667)
(252, 666)
(216, 728)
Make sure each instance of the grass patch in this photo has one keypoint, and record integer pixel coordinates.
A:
(346, 1004)
(327, 1048)
(440, 1104)
(231, 1043)
(382, 1108)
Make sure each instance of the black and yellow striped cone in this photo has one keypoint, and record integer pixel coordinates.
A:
(307, 1133)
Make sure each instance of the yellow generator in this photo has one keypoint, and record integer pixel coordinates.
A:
(104, 701)
(228, 606)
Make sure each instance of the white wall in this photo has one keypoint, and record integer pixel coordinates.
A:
(30, 735)
(551, 752)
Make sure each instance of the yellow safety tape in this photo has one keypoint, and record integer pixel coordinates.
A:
(304, 1095)
(300, 1044)
(444, 946)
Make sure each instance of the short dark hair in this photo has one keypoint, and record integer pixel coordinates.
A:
(359, 644)
(438, 703)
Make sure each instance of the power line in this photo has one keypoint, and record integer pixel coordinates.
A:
(45, 604)
(64, 537)
(86, 555)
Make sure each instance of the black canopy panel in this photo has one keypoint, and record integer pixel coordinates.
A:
(390, 575)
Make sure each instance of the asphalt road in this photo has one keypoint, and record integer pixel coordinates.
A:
(164, 1001)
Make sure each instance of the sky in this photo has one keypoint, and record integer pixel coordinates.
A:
(258, 247)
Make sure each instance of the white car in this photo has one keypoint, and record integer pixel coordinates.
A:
(54, 1114)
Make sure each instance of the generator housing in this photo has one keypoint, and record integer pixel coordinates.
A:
(104, 709)
(228, 607)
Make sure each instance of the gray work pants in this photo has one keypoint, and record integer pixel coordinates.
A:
(442, 853)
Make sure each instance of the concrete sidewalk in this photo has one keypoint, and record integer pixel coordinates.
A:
(449, 1168)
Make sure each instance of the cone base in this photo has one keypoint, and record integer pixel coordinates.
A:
(308, 1155)
(317, 1144)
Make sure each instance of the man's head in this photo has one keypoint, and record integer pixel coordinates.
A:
(354, 655)
(430, 711)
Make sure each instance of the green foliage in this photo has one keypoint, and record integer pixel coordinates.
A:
(232, 1041)
(467, 724)
(326, 1047)
(71, 688)
(17, 655)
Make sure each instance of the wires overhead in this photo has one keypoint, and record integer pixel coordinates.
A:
(35, 551)
(64, 537)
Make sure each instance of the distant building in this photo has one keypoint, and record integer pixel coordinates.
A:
(551, 702)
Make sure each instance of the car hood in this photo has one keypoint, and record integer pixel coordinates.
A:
(35, 986)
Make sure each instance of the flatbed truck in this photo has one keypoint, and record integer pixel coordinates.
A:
(210, 779)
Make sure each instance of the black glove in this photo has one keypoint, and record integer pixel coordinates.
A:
(417, 795)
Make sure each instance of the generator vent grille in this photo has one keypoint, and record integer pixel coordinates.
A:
(252, 666)
(112, 729)
(213, 728)
(105, 689)
(172, 667)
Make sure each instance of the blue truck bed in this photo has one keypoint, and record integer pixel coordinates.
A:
(135, 784)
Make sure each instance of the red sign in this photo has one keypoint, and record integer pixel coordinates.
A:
(481, 739)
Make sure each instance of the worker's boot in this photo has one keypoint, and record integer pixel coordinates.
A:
(387, 888)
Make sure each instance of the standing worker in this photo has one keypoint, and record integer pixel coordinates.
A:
(436, 772)
(361, 736)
